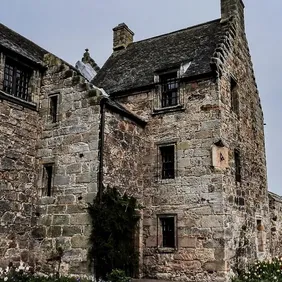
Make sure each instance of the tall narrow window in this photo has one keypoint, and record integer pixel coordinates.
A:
(168, 231)
(237, 166)
(16, 80)
(169, 85)
(234, 96)
(167, 159)
(260, 236)
(53, 108)
(48, 179)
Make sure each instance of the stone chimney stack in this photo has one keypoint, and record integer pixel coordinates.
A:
(233, 8)
(123, 36)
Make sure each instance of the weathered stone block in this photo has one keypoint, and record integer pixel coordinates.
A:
(61, 180)
(79, 241)
(61, 220)
(79, 219)
(66, 199)
(69, 231)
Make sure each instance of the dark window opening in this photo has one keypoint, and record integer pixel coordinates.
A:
(53, 108)
(16, 80)
(167, 158)
(169, 88)
(234, 96)
(168, 232)
(237, 166)
(48, 179)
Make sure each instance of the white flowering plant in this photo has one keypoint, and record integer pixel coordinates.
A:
(263, 271)
(24, 273)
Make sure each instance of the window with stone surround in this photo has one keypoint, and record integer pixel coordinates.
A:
(260, 236)
(167, 231)
(48, 173)
(16, 80)
(237, 163)
(167, 153)
(53, 108)
(234, 96)
(169, 89)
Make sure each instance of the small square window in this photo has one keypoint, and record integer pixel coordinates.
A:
(48, 171)
(167, 224)
(53, 108)
(169, 89)
(167, 161)
(237, 166)
(16, 80)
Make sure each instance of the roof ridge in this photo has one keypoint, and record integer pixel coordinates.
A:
(176, 31)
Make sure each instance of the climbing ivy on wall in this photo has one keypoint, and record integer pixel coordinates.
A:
(114, 222)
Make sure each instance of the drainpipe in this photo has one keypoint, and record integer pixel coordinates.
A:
(101, 148)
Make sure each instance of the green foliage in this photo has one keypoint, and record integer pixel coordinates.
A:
(265, 271)
(114, 222)
(117, 275)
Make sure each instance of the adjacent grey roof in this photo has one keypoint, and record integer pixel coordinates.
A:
(135, 66)
(275, 196)
(21, 45)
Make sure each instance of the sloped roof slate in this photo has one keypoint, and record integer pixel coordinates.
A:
(21, 45)
(135, 66)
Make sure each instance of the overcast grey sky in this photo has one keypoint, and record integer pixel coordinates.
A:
(67, 27)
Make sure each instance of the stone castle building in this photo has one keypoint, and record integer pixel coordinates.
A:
(181, 129)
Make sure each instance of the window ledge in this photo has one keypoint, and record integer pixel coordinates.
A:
(166, 180)
(18, 101)
(175, 108)
(164, 250)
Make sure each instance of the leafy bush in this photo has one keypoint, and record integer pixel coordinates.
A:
(265, 271)
(114, 222)
(117, 275)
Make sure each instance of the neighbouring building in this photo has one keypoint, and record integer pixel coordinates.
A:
(174, 120)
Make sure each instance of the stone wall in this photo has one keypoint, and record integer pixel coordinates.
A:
(194, 197)
(246, 200)
(275, 236)
(19, 131)
(70, 145)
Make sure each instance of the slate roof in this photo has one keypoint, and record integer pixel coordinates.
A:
(21, 45)
(135, 66)
(275, 196)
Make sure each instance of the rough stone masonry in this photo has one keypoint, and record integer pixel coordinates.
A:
(181, 130)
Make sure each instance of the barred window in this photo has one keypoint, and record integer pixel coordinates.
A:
(167, 238)
(237, 161)
(167, 161)
(53, 108)
(169, 86)
(48, 179)
(16, 80)
(234, 96)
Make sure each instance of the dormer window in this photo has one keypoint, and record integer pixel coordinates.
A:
(16, 80)
(169, 89)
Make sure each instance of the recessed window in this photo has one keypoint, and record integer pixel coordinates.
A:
(16, 80)
(237, 161)
(167, 161)
(260, 236)
(169, 89)
(234, 96)
(48, 171)
(53, 108)
(167, 236)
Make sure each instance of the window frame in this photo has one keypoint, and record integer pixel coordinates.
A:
(53, 107)
(169, 84)
(160, 232)
(16, 80)
(163, 171)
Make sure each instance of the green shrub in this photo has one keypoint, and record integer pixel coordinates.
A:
(117, 275)
(264, 271)
(114, 222)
